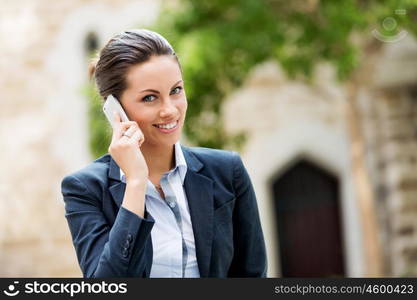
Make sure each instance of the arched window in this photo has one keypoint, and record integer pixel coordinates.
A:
(91, 44)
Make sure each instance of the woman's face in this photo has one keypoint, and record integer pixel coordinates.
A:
(155, 99)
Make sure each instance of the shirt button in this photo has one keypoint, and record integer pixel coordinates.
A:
(129, 238)
(172, 204)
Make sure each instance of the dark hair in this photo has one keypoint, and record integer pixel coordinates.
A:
(122, 52)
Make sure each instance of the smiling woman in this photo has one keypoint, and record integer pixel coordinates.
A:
(157, 103)
(152, 207)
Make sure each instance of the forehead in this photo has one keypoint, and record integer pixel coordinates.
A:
(158, 71)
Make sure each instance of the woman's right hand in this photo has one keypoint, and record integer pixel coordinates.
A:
(125, 150)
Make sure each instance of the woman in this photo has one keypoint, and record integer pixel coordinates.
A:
(154, 208)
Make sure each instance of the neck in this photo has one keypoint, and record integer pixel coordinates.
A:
(160, 159)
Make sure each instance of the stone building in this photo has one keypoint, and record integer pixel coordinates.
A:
(299, 151)
(44, 121)
(299, 147)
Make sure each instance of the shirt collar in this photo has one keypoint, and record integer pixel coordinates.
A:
(180, 163)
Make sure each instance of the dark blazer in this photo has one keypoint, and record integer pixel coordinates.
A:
(112, 241)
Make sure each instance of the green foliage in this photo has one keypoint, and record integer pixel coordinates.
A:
(219, 41)
(99, 128)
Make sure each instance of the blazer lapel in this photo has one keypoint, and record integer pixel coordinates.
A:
(199, 191)
(117, 187)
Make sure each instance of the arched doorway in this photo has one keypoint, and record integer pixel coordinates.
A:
(306, 202)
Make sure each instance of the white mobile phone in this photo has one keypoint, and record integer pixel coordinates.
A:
(112, 105)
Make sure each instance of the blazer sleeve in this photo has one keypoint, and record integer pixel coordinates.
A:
(103, 251)
(249, 246)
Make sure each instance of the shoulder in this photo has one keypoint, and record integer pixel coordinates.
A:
(214, 157)
(96, 169)
(94, 174)
(224, 167)
(220, 164)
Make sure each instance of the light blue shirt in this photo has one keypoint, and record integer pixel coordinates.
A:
(172, 234)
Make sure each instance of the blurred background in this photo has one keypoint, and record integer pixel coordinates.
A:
(318, 96)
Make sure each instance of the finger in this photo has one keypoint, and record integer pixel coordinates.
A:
(138, 137)
(142, 136)
(141, 140)
(128, 124)
(124, 126)
(130, 131)
(123, 132)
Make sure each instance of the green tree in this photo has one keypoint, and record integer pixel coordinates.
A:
(220, 41)
(99, 129)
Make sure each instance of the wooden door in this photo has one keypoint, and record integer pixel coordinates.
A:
(309, 233)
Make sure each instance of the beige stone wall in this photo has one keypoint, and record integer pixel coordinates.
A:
(43, 121)
(389, 113)
(394, 173)
(286, 120)
(400, 163)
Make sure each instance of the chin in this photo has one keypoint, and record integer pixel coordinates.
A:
(168, 141)
(172, 141)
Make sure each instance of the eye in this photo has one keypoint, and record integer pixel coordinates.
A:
(176, 90)
(148, 98)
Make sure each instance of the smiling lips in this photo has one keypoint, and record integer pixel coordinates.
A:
(167, 128)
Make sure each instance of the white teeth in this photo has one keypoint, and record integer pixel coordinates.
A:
(167, 126)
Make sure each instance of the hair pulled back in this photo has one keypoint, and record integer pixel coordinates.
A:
(122, 52)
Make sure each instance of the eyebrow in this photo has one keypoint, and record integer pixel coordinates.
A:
(157, 92)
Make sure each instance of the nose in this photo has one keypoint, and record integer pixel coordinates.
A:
(168, 109)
